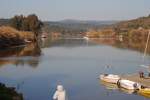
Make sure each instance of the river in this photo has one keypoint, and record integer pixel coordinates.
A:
(74, 63)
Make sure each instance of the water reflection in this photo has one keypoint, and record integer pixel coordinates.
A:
(109, 86)
(145, 95)
(127, 91)
(75, 63)
(49, 42)
(124, 43)
(28, 54)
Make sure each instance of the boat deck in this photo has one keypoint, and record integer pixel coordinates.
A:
(135, 77)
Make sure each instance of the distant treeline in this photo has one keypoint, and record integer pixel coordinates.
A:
(74, 27)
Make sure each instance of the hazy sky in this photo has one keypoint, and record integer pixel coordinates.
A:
(76, 9)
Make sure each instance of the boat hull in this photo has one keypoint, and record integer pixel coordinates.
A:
(145, 91)
(110, 78)
(130, 85)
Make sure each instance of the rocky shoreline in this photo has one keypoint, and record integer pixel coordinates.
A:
(9, 93)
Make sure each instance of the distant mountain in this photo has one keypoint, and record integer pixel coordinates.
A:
(70, 22)
(94, 22)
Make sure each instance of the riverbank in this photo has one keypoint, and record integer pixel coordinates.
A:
(10, 37)
(9, 93)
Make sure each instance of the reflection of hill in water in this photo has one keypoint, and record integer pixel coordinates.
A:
(109, 86)
(21, 55)
(67, 43)
(115, 42)
(28, 50)
(126, 44)
(29, 54)
(31, 62)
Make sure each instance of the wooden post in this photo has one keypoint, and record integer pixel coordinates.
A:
(146, 44)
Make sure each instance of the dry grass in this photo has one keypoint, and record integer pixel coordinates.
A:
(10, 32)
(10, 37)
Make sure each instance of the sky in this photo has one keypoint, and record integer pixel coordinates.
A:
(53, 10)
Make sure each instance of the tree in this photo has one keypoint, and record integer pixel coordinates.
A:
(34, 23)
(25, 25)
(29, 23)
(16, 22)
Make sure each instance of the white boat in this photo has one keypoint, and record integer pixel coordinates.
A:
(127, 84)
(110, 78)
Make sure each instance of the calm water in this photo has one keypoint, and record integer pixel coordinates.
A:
(74, 63)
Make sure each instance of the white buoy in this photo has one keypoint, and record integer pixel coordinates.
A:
(60, 93)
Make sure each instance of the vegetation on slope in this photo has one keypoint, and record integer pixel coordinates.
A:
(10, 37)
(136, 29)
(19, 30)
